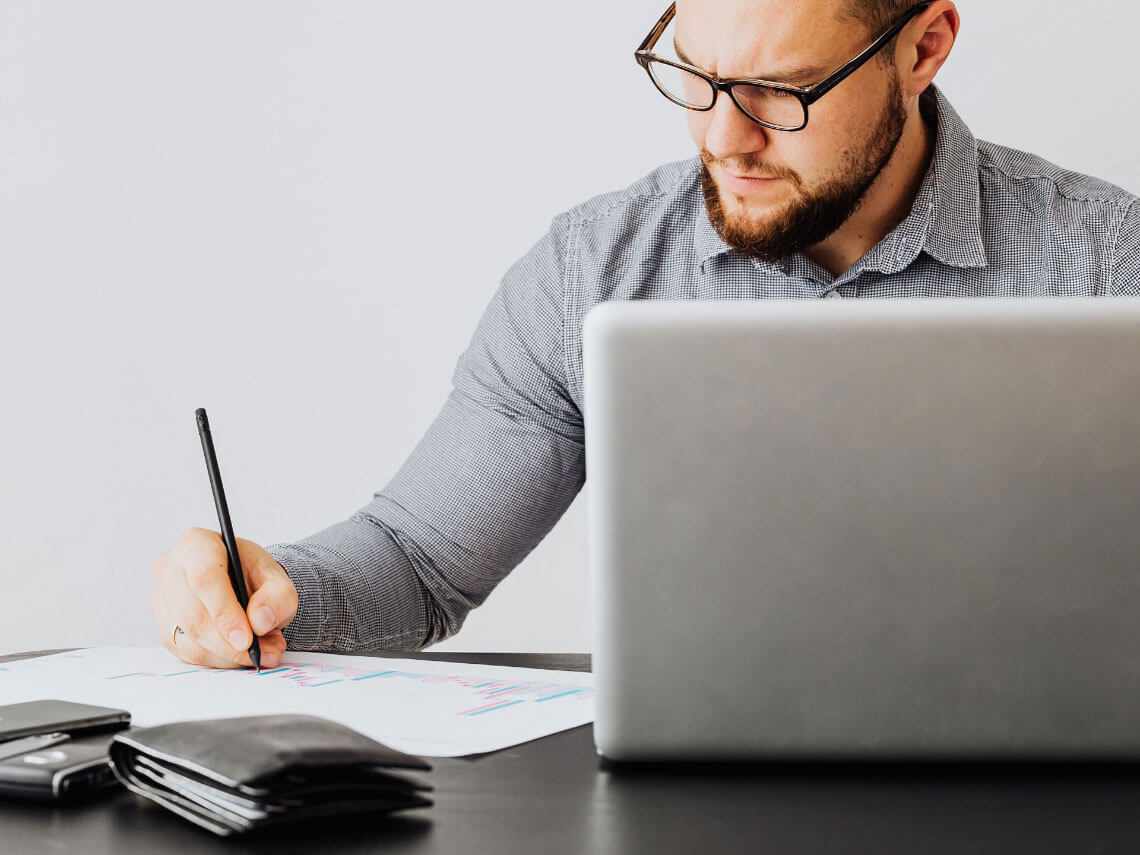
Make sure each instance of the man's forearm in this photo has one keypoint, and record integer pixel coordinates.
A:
(491, 476)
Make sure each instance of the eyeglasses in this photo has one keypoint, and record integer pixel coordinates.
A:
(774, 105)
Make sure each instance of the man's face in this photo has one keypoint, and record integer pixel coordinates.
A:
(817, 177)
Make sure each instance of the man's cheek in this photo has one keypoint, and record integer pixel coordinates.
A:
(698, 123)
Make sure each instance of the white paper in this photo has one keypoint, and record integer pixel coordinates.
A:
(431, 708)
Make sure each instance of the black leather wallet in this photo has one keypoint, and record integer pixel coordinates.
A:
(235, 775)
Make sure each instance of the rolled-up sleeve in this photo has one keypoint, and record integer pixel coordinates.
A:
(495, 471)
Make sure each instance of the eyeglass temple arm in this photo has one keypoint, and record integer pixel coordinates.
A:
(658, 28)
(816, 92)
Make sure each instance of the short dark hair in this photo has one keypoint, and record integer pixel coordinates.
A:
(876, 16)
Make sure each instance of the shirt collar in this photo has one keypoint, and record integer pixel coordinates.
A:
(945, 219)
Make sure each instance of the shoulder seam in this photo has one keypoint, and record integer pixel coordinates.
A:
(1052, 179)
(625, 200)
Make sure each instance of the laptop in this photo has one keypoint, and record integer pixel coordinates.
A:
(874, 529)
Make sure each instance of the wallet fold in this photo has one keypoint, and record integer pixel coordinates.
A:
(235, 775)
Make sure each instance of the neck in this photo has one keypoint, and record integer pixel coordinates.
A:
(887, 202)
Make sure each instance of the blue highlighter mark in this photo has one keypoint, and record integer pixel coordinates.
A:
(370, 676)
(558, 695)
(497, 707)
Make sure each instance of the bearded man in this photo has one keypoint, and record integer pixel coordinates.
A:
(829, 166)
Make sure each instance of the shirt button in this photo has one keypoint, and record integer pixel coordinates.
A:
(833, 295)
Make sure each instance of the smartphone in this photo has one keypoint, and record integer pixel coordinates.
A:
(56, 750)
(52, 716)
(60, 772)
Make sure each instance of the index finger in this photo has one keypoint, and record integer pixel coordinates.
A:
(206, 567)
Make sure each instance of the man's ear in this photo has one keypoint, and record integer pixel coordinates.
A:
(930, 38)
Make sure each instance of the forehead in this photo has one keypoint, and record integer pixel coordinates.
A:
(750, 38)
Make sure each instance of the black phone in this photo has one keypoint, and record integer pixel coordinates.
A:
(52, 749)
(60, 771)
(51, 716)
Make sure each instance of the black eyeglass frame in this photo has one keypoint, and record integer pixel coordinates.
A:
(807, 95)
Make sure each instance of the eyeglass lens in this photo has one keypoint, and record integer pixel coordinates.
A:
(774, 106)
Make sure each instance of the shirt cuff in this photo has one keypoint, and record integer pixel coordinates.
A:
(304, 631)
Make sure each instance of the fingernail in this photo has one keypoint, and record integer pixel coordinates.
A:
(237, 640)
(264, 619)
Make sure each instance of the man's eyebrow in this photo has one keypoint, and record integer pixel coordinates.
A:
(792, 76)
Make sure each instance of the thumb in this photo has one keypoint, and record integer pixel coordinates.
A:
(274, 603)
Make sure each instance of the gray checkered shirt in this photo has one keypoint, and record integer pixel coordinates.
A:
(506, 455)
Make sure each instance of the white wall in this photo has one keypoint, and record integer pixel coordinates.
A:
(264, 207)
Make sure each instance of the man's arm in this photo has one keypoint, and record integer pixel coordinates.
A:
(1126, 269)
(496, 470)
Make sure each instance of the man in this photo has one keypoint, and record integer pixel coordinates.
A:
(862, 183)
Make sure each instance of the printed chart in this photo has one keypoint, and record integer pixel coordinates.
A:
(422, 707)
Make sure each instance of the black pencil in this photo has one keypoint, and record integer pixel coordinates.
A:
(237, 577)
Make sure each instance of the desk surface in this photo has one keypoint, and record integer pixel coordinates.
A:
(551, 796)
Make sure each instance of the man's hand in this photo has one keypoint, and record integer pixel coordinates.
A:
(192, 593)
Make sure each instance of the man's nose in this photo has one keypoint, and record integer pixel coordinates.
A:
(730, 133)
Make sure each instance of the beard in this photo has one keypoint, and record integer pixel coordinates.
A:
(816, 213)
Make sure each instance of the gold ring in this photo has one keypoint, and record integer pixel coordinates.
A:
(177, 632)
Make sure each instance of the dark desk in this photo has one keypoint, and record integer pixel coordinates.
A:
(550, 796)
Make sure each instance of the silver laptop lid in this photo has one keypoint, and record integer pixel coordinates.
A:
(865, 528)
